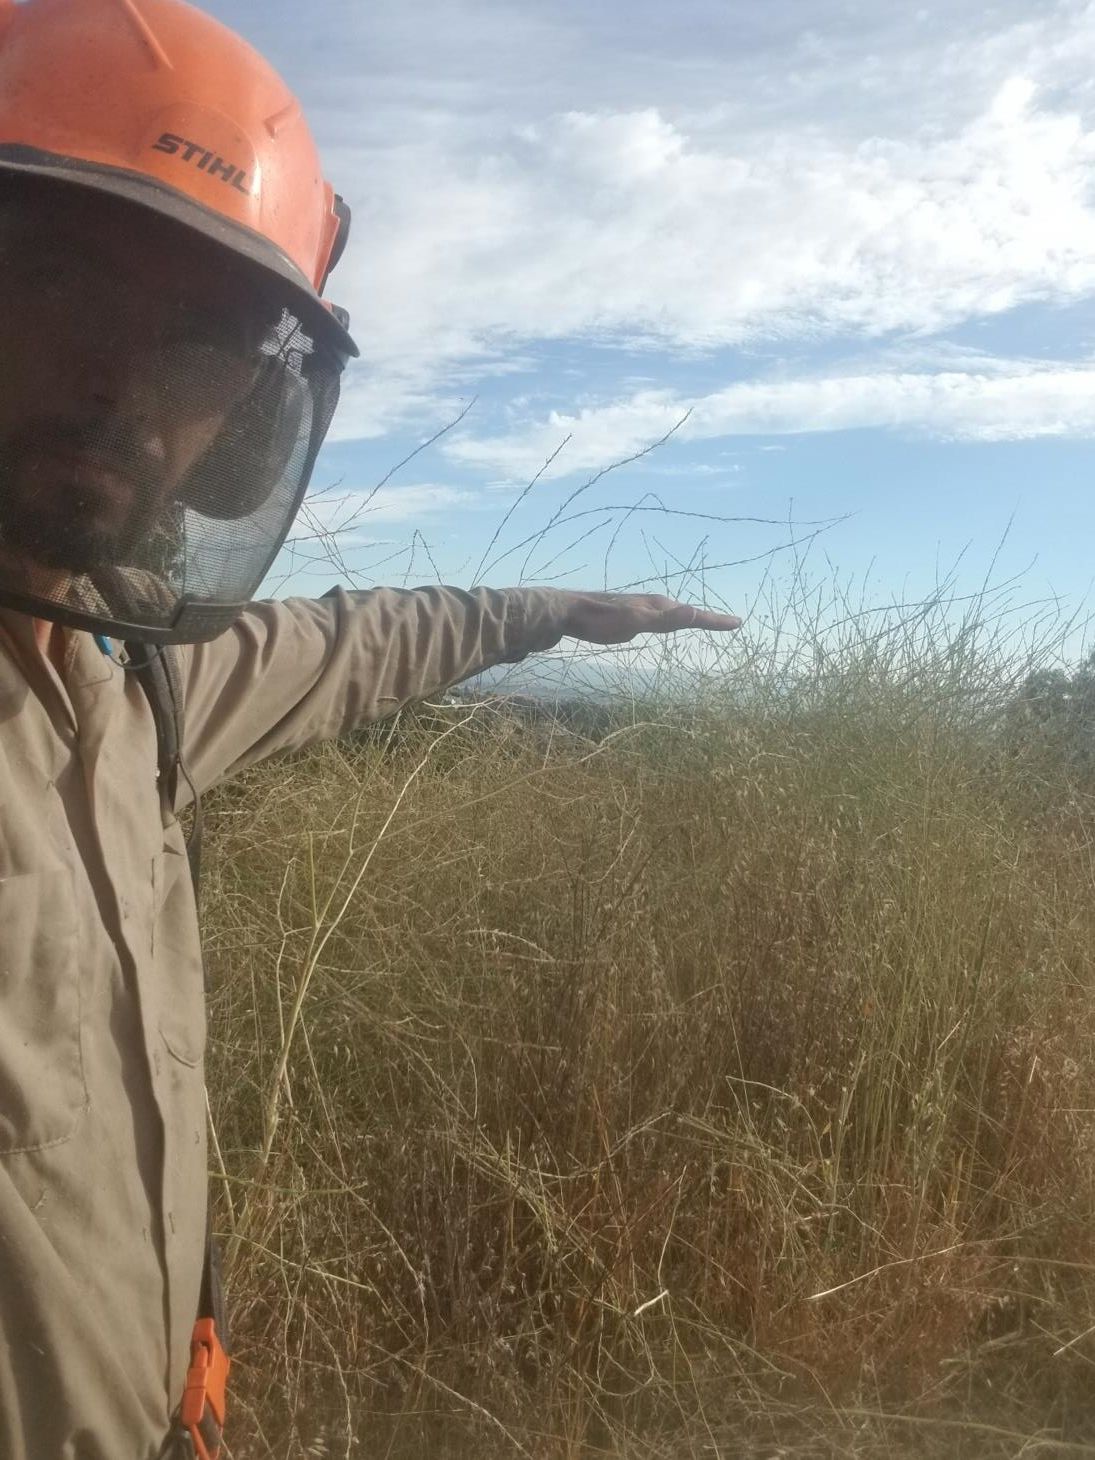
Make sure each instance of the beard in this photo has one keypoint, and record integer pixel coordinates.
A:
(80, 496)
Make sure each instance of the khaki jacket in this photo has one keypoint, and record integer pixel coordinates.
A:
(102, 1028)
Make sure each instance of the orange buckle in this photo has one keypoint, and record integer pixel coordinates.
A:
(202, 1411)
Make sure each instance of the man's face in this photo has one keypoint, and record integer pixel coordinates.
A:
(126, 346)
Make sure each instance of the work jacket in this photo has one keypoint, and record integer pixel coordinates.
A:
(102, 1025)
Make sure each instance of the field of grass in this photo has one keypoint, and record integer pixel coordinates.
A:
(714, 1082)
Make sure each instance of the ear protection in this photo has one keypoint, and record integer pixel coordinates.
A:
(342, 237)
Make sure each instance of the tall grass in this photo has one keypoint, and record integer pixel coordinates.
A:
(716, 1081)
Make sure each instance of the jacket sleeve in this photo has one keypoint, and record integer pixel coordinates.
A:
(292, 673)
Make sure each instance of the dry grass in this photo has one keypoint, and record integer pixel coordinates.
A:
(721, 1086)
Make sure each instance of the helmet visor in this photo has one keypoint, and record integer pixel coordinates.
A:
(160, 416)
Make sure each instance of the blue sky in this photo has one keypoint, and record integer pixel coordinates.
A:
(844, 252)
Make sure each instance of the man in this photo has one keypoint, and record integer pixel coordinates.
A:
(168, 376)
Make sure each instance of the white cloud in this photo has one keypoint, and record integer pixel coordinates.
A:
(623, 227)
(693, 469)
(350, 514)
(688, 176)
(1014, 401)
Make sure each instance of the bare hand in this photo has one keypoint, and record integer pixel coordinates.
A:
(615, 618)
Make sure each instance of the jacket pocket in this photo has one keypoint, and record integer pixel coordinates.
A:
(42, 1090)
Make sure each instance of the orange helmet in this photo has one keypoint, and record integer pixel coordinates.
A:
(157, 440)
(156, 102)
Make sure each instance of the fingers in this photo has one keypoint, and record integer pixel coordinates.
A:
(674, 615)
(720, 623)
(616, 618)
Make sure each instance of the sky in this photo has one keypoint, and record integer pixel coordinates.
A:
(837, 258)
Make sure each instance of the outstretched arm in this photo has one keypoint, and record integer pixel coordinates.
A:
(293, 673)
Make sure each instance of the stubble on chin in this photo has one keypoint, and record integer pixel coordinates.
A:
(57, 526)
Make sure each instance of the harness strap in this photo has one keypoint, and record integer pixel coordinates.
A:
(157, 672)
(202, 1415)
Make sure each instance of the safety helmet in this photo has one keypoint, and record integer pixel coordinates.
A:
(166, 234)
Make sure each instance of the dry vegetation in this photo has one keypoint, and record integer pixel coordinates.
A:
(717, 1086)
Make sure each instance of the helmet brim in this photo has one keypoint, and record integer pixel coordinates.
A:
(17, 161)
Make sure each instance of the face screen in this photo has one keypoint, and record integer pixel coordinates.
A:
(161, 407)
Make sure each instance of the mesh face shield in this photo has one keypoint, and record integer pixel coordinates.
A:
(161, 409)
